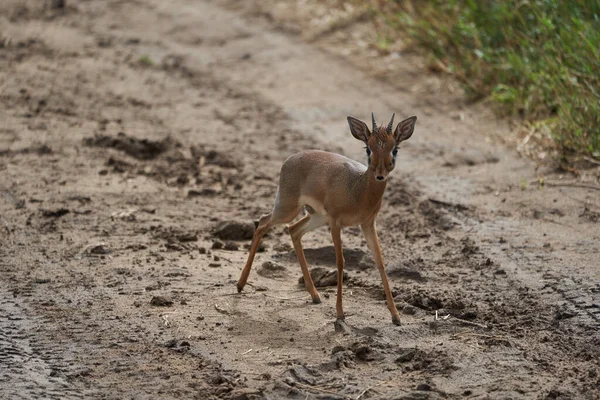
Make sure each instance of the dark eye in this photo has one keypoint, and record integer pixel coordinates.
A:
(368, 151)
(395, 152)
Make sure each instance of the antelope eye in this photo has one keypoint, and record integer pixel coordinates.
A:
(368, 151)
(395, 152)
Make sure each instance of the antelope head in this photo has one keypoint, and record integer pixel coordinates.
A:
(382, 143)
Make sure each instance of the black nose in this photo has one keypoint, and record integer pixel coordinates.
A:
(379, 178)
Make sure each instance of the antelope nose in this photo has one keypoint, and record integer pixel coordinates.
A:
(379, 177)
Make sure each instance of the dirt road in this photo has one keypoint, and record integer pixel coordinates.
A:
(130, 131)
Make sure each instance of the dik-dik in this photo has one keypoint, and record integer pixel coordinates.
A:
(338, 192)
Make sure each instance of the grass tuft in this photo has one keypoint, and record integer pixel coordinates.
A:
(146, 61)
(537, 59)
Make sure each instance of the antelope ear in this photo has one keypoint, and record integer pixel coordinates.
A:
(358, 129)
(405, 129)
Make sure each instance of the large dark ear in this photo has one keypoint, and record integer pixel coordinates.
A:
(359, 129)
(405, 129)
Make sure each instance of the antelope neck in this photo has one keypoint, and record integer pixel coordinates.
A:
(373, 189)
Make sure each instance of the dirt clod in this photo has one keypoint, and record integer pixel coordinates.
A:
(323, 277)
(271, 269)
(234, 230)
(405, 272)
(424, 387)
(56, 213)
(98, 249)
(142, 149)
(231, 246)
(160, 301)
(206, 192)
(365, 352)
(406, 355)
(245, 394)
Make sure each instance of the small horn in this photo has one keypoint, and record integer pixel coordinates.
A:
(391, 124)
(374, 124)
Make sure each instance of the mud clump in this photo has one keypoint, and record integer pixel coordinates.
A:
(98, 249)
(231, 246)
(234, 230)
(413, 359)
(206, 192)
(323, 277)
(57, 213)
(160, 301)
(38, 150)
(142, 149)
(213, 157)
(245, 394)
(270, 269)
(590, 215)
(172, 234)
(405, 272)
(469, 247)
(365, 352)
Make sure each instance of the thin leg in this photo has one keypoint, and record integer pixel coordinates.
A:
(370, 233)
(339, 260)
(308, 223)
(263, 226)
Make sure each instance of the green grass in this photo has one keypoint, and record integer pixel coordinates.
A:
(146, 61)
(537, 59)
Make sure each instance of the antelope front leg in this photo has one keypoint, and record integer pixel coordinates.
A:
(339, 259)
(373, 242)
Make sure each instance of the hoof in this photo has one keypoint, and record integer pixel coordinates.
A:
(316, 300)
(340, 325)
(396, 320)
(239, 288)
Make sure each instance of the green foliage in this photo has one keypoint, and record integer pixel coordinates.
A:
(146, 61)
(539, 59)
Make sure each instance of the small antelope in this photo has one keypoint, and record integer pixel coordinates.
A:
(338, 192)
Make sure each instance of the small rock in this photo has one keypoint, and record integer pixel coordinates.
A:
(59, 212)
(99, 248)
(282, 248)
(424, 387)
(234, 230)
(468, 315)
(58, 4)
(206, 192)
(406, 356)
(245, 394)
(171, 343)
(399, 271)
(214, 265)
(217, 244)
(187, 237)
(270, 269)
(232, 246)
(337, 349)
(408, 309)
(160, 301)
(202, 250)
(365, 352)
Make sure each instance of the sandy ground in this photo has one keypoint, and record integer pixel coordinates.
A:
(131, 131)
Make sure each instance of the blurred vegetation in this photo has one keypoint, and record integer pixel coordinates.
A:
(538, 59)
